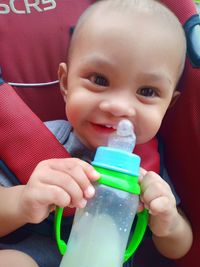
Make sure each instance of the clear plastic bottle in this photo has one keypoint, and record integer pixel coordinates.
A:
(101, 230)
(124, 138)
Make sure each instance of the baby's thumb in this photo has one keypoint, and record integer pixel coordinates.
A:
(141, 174)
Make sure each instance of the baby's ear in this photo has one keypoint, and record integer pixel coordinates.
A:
(62, 76)
(175, 97)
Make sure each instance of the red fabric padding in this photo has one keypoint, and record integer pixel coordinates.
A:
(31, 53)
(25, 140)
(46, 102)
(150, 158)
(34, 40)
(182, 8)
(181, 135)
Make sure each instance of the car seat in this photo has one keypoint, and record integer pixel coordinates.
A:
(34, 40)
(181, 127)
(180, 132)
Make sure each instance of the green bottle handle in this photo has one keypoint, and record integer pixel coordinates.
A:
(140, 228)
(62, 246)
(138, 234)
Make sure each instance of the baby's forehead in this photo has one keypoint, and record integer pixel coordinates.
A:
(132, 11)
(104, 16)
(108, 22)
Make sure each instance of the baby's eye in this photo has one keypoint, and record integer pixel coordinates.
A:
(147, 92)
(99, 80)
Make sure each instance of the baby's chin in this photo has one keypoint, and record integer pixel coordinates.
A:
(89, 144)
(94, 146)
(143, 140)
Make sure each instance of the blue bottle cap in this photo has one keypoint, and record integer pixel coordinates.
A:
(117, 160)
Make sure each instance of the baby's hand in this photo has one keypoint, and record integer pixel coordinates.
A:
(57, 182)
(157, 197)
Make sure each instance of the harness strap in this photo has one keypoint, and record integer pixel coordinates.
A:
(25, 140)
(32, 136)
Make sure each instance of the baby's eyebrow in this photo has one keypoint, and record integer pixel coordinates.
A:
(156, 77)
(98, 60)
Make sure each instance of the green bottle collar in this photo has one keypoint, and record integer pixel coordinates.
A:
(119, 180)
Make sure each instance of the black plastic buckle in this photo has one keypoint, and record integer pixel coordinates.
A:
(192, 31)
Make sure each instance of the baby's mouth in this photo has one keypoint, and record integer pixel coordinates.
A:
(110, 126)
(104, 128)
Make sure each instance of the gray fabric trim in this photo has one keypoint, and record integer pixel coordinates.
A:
(4, 181)
(60, 128)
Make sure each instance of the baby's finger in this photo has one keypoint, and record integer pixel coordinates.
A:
(152, 179)
(153, 191)
(142, 174)
(80, 171)
(140, 206)
(56, 196)
(89, 170)
(160, 205)
(68, 165)
(62, 180)
(41, 201)
(78, 174)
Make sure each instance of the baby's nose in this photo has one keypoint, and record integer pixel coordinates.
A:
(118, 108)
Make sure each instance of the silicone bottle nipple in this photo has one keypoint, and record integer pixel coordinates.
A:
(124, 137)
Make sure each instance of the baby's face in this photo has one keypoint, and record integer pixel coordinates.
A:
(120, 70)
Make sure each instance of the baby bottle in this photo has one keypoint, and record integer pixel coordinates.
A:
(101, 230)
